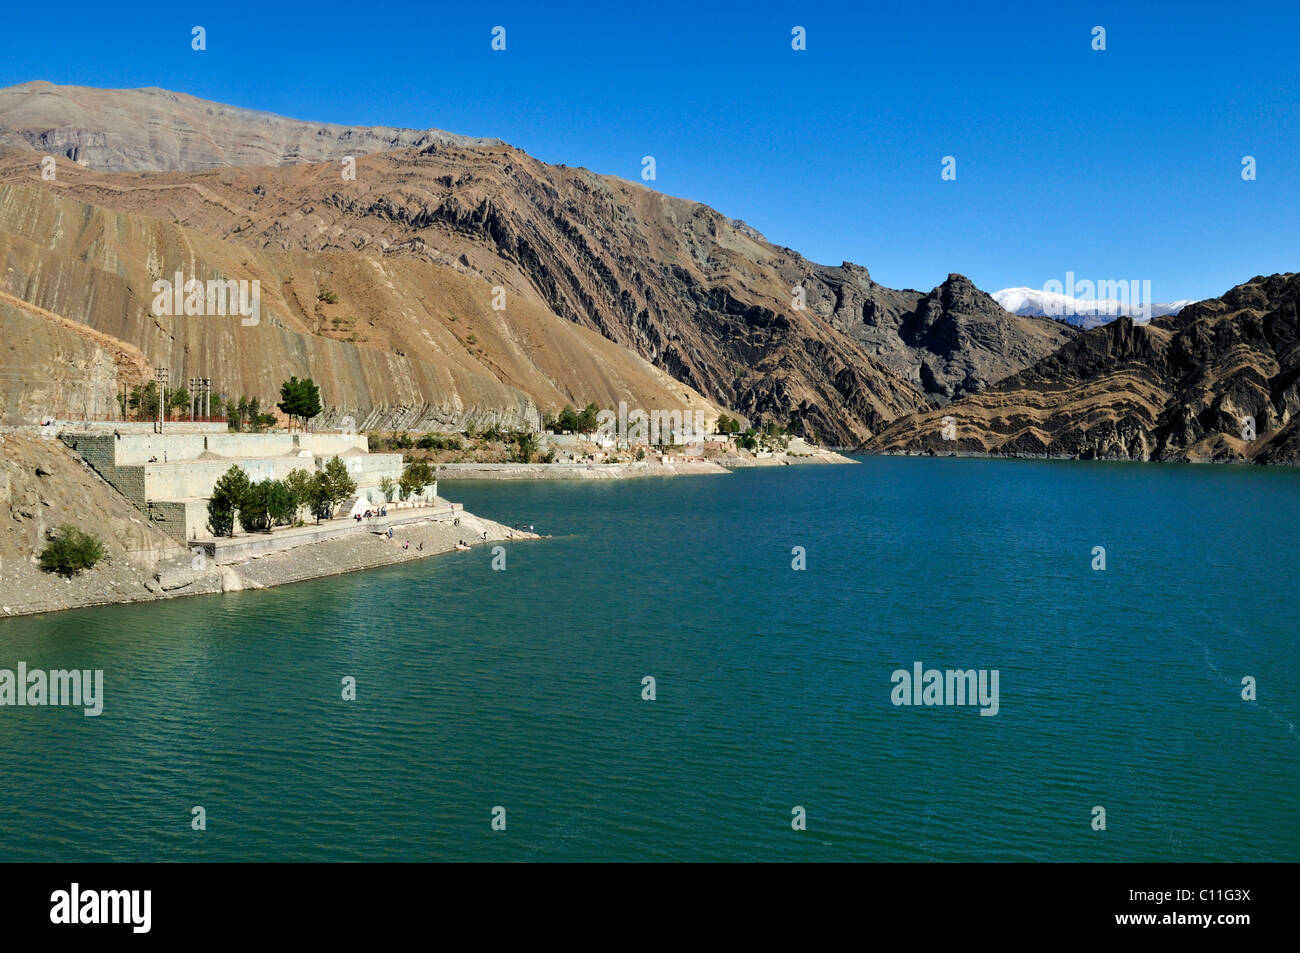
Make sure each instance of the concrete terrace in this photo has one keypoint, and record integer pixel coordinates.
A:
(227, 550)
(170, 476)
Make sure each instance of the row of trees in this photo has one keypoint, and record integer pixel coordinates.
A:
(299, 401)
(415, 477)
(573, 421)
(260, 506)
(728, 424)
(142, 401)
(247, 414)
(428, 441)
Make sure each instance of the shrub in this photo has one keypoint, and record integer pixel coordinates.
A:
(527, 446)
(329, 297)
(388, 488)
(71, 552)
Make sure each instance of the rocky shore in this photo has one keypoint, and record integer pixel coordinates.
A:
(715, 464)
(43, 486)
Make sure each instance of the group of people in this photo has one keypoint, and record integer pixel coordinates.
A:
(381, 511)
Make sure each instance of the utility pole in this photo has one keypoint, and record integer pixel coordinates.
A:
(161, 375)
(207, 397)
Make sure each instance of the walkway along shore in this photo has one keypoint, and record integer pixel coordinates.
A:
(191, 573)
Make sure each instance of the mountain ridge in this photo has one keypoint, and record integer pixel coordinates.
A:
(700, 295)
(1219, 381)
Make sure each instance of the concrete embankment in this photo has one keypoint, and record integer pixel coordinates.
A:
(44, 486)
(192, 575)
(573, 471)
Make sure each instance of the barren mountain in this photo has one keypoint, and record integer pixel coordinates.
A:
(458, 237)
(403, 344)
(955, 340)
(132, 130)
(1217, 381)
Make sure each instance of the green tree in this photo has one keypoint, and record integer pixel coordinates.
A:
(280, 503)
(322, 507)
(255, 508)
(587, 419)
(339, 485)
(302, 487)
(178, 400)
(144, 400)
(227, 495)
(526, 443)
(727, 424)
(568, 420)
(415, 478)
(388, 488)
(299, 400)
(70, 552)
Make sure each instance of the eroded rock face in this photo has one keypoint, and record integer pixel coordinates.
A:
(953, 341)
(130, 130)
(33, 508)
(1218, 381)
(701, 297)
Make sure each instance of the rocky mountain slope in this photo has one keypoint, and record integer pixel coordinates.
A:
(44, 485)
(405, 343)
(702, 297)
(952, 341)
(1183, 387)
(131, 130)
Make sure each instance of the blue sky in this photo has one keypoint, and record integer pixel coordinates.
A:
(1117, 164)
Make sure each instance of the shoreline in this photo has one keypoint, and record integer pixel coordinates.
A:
(174, 578)
(1075, 458)
(644, 469)
(451, 472)
(45, 483)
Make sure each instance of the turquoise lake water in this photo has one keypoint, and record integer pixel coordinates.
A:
(523, 688)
